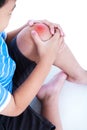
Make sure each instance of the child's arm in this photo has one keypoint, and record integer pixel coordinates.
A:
(28, 90)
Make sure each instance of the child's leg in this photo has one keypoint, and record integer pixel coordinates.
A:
(64, 60)
(26, 44)
(67, 62)
(49, 97)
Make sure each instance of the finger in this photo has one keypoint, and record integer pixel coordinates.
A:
(61, 45)
(57, 34)
(62, 48)
(36, 37)
(61, 30)
(50, 26)
(53, 26)
(47, 23)
(32, 22)
(52, 29)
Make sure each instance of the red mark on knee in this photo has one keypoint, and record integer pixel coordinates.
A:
(40, 28)
(43, 31)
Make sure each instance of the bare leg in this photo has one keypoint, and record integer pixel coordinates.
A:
(49, 97)
(64, 60)
(26, 44)
(67, 62)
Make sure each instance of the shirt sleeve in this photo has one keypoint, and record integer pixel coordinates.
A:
(4, 35)
(5, 97)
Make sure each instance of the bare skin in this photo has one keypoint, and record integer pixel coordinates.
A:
(49, 97)
(27, 46)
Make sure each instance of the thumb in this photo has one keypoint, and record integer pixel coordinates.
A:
(36, 37)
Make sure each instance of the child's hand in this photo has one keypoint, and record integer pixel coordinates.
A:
(52, 26)
(50, 48)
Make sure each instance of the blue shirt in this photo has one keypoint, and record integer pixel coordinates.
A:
(7, 68)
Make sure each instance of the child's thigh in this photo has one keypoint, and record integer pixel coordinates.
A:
(24, 66)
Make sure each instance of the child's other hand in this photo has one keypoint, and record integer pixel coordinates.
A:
(50, 48)
(52, 26)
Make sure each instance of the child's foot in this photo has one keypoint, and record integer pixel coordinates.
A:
(49, 97)
(51, 90)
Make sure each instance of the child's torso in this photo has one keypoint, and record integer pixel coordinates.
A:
(7, 66)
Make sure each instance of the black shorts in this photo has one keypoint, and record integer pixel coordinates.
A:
(29, 119)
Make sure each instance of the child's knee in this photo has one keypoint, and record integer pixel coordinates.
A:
(42, 30)
(24, 34)
(24, 40)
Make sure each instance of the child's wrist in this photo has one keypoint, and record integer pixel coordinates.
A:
(46, 61)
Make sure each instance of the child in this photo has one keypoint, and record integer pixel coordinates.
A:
(17, 91)
(64, 60)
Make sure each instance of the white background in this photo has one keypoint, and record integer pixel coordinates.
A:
(72, 16)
